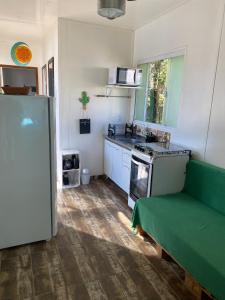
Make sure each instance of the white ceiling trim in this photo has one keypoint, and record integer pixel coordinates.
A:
(171, 9)
(46, 12)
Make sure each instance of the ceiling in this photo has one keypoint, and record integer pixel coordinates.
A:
(38, 12)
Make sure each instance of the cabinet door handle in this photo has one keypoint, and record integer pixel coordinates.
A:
(140, 163)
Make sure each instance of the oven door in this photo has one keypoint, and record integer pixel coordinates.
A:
(140, 178)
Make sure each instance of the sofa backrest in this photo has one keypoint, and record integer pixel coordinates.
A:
(206, 183)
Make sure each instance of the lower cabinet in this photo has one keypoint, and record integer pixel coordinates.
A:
(117, 163)
(108, 159)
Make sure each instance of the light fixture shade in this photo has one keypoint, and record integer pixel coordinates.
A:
(111, 9)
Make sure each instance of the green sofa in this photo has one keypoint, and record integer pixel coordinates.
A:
(191, 225)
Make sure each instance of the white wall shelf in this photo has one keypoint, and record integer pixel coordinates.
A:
(116, 86)
(109, 88)
(70, 169)
(108, 96)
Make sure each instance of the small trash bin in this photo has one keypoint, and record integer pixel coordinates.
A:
(85, 176)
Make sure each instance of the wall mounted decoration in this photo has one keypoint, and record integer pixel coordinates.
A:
(84, 99)
(85, 126)
(51, 86)
(85, 122)
(44, 81)
(21, 54)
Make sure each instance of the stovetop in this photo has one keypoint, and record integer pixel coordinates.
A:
(160, 148)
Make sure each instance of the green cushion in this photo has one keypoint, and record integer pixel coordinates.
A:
(207, 184)
(191, 232)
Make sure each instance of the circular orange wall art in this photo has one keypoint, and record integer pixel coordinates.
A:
(21, 54)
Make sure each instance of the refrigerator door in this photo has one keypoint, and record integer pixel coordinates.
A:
(25, 170)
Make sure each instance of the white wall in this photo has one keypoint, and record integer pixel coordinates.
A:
(195, 27)
(49, 50)
(85, 53)
(215, 150)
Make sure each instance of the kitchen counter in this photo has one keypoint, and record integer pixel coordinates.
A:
(126, 142)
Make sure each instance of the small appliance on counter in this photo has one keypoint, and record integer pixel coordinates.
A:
(150, 138)
(130, 129)
(116, 129)
(111, 130)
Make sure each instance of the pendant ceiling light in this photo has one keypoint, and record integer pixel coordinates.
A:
(111, 9)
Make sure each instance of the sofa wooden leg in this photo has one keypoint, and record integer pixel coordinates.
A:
(193, 286)
(206, 296)
(141, 232)
(197, 290)
(162, 253)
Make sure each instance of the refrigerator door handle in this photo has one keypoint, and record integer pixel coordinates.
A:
(53, 165)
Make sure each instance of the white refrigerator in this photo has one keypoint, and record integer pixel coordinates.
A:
(27, 170)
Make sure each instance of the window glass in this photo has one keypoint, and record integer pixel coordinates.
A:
(174, 90)
(141, 93)
(157, 91)
(158, 99)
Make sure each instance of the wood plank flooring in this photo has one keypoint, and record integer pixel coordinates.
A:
(95, 256)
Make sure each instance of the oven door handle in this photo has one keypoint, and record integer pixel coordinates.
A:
(139, 163)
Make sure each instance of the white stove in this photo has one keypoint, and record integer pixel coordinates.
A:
(160, 149)
(157, 169)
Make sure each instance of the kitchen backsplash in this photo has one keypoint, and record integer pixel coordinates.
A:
(162, 136)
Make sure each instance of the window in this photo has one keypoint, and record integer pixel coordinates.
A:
(157, 101)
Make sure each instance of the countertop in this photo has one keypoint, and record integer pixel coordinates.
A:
(126, 142)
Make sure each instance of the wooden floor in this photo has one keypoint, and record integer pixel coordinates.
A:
(94, 256)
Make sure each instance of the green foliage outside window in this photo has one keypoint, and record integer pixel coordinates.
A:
(158, 99)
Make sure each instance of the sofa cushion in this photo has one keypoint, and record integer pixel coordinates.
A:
(191, 232)
(207, 184)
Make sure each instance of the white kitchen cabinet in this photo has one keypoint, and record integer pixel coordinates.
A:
(117, 162)
(126, 166)
(108, 159)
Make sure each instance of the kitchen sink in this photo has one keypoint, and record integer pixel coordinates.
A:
(130, 140)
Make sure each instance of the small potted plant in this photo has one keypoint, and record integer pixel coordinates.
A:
(84, 99)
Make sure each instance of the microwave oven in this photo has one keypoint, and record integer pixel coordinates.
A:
(125, 76)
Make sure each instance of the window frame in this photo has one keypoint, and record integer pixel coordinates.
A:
(178, 52)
